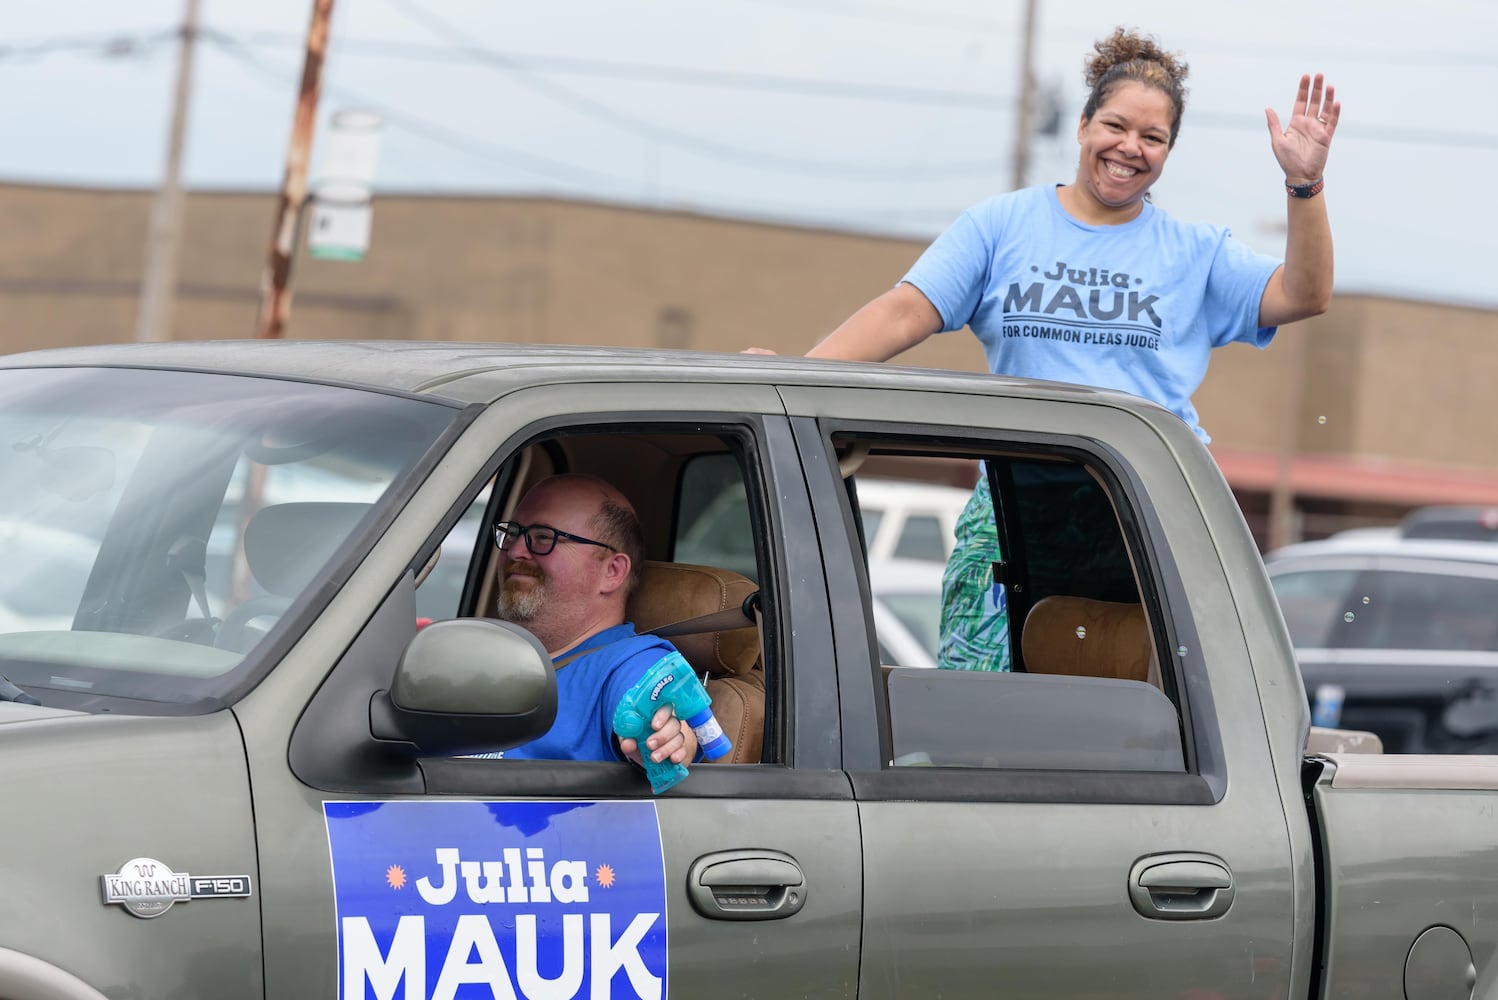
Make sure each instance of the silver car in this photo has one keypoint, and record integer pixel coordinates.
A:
(1402, 632)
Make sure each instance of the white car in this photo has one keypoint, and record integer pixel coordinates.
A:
(907, 610)
(910, 520)
(902, 519)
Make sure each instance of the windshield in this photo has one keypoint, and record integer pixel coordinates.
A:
(155, 525)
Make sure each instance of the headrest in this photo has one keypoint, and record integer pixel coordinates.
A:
(672, 592)
(285, 544)
(1087, 638)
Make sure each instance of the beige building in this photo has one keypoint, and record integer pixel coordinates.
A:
(1362, 413)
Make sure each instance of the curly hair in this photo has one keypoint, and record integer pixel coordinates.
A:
(1128, 55)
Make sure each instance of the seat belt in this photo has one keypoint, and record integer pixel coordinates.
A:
(743, 616)
(559, 664)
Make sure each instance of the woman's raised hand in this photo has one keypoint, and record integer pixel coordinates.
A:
(1302, 144)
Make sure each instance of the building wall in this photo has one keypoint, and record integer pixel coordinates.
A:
(1392, 379)
(1427, 387)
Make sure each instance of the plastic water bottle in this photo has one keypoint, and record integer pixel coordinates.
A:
(1326, 710)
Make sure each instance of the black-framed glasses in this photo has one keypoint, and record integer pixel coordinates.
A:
(540, 539)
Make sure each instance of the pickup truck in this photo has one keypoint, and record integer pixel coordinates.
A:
(247, 680)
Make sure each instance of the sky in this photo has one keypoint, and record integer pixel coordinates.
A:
(885, 117)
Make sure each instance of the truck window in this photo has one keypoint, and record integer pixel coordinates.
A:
(1314, 602)
(691, 492)
(1068, 674)
(713, 527)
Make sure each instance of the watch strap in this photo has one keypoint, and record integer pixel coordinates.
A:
(1310, 190)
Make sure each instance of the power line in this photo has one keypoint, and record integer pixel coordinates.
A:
(1403, 135)
(1316, 54)
(895, 13)
(109, 46)
(550, 169)
(1318, 51)
(738, 155)
(572, 66)
(803, 86)
(431, 131)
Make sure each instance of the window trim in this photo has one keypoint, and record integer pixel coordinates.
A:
(976, 784)
(1160, 585)
(774, 482)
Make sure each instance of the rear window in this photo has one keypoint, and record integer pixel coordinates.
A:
(1389, 609)
(921, 538)
(1471, 524)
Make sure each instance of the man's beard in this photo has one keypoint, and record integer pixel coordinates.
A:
(522, 605)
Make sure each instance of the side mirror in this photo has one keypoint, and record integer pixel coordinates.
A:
(467, 685)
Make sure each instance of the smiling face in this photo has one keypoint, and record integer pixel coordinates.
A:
(1124, 146)
(576, 589)
(571, 572)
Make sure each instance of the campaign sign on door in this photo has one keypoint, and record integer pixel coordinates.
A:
(525, 900)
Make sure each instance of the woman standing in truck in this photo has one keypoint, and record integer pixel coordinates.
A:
(1089, 283)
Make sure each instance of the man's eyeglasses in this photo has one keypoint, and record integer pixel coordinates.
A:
(539, 539)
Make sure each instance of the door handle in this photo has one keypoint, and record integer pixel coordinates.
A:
(746, 885)
(1183, 886)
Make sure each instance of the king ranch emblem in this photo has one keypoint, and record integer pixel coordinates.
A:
(147, 888)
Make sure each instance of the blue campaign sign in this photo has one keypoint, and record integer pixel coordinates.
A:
(441, 900)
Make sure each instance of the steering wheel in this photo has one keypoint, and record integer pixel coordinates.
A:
(198, 630)
(237, 631)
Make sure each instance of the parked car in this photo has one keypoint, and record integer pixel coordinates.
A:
(1403, 630)
(902, 519)
(1467, 523)
(907, 610)
(910, 520)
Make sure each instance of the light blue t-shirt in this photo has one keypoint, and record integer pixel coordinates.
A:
(1136, 307)
(589, 689)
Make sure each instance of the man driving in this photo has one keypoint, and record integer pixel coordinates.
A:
(568, 562)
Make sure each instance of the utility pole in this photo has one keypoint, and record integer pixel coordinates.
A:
(275, 286)
(1025, 113)
(158, 287)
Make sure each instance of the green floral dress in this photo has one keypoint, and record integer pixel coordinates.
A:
(974, 611)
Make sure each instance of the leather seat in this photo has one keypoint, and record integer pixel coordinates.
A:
(1087, 638)
(672, 592)
(285, 546)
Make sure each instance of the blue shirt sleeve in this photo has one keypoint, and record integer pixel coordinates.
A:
(625, 677)
(1235, 290)
(953, 271)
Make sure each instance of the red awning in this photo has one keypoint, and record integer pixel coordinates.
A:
(1343, 478)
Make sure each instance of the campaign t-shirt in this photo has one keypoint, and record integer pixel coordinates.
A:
(1136, 307)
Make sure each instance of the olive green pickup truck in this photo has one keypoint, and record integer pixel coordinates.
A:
(249, 658)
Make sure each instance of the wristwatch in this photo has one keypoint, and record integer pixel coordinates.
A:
(1310, 190)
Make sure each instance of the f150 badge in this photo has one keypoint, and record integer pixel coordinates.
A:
(147, 888)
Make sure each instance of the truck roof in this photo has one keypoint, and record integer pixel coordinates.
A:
(481, 372)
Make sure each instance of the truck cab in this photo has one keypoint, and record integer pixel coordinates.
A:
(248, 768)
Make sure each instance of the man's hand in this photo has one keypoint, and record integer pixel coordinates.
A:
(672, 739)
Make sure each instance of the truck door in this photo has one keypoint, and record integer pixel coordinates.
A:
(1084, 819)
(561, 878)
